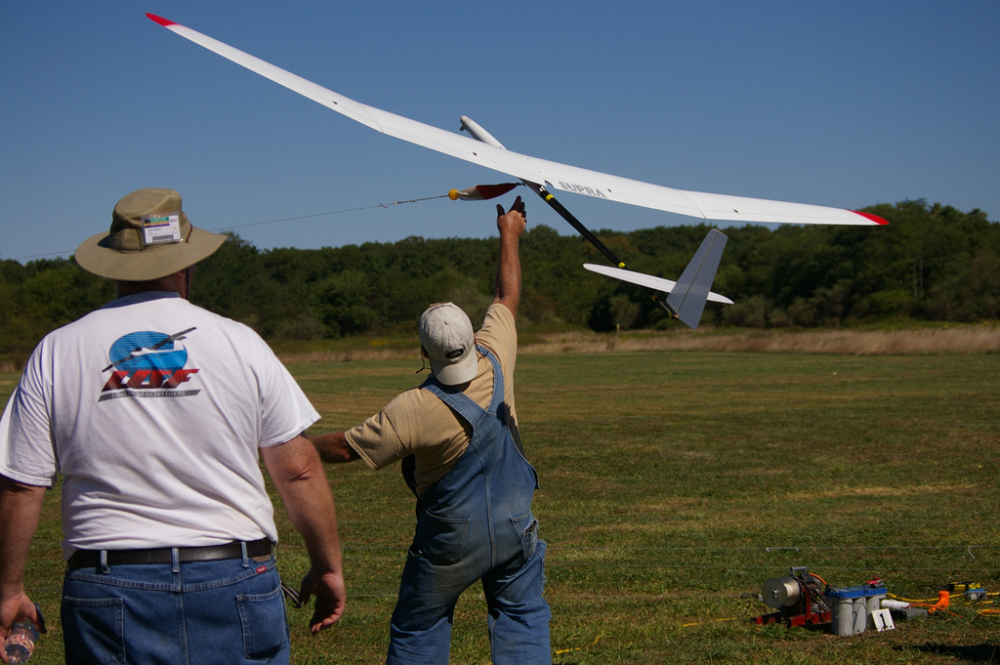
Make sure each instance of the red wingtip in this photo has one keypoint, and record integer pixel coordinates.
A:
(875, 218)
(159, 19)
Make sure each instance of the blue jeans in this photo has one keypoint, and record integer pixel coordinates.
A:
(518, 615)
(207, 612)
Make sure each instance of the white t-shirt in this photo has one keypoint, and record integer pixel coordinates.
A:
(152, 409)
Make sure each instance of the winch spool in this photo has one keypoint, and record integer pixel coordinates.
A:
(781, 592)
(797, 597)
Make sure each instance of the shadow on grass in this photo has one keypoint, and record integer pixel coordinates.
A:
(974, 653)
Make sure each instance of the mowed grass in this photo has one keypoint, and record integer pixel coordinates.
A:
(672, 484)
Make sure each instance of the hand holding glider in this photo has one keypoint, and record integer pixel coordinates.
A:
(507, 286)
(514, 220)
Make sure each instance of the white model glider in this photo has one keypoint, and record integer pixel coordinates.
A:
(532, 169)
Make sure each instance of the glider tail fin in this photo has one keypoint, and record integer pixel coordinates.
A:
(687, 299)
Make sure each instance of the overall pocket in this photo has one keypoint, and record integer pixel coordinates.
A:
(441, 540)
(526, 528)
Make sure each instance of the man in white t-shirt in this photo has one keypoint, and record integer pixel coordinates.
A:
(458, 439)
(156, 414)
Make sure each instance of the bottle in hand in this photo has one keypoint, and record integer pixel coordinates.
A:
(20, 643)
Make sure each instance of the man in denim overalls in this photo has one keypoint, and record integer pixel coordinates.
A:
(457, 436)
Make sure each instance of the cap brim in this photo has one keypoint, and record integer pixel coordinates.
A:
(460, 372)
(153, 262)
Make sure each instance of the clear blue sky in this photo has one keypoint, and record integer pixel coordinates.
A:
(841, 103)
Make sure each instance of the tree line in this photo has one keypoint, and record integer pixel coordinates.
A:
(931, 262)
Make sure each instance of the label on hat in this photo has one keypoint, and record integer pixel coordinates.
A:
(161, 228)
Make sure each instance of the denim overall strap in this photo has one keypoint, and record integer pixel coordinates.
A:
(466, 408)
(459, 402)
(497, 380)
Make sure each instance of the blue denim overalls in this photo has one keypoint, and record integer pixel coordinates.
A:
(475, 523)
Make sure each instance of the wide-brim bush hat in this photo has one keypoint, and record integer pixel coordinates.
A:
(447, 337)
(150, 237)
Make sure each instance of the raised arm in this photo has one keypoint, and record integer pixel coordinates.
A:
(507, 286)
(298, 475)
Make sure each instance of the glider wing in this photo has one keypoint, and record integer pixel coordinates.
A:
(553, 174)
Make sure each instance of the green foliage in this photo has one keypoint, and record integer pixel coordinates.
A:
(931, 262)
(343, 300)
(40, 296)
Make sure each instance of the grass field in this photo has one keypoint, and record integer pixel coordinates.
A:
(673, 484)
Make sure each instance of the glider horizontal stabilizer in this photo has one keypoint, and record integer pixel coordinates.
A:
(552, 175)
(649, 281)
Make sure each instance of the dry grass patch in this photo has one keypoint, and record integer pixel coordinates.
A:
(955, 338)
(982, 338)
(879, 492)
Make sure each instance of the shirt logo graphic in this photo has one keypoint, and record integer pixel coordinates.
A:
(148, 364)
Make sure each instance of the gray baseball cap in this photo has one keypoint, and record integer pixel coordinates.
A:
(447, 337)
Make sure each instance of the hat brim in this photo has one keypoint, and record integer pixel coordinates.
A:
(153, 262)
(457, 373)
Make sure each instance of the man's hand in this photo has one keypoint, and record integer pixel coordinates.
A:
(330, 593)
(514, 220)
(17, 607)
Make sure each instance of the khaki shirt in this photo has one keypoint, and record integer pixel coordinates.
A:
(417, 422)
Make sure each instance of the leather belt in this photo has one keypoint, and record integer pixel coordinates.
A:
(92, 558)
